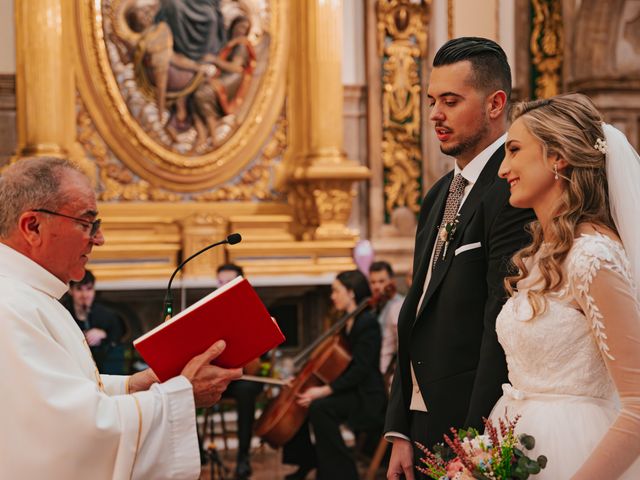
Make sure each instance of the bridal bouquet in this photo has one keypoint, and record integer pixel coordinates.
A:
(496, 455)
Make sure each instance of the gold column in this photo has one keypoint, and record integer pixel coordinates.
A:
(316, 172)
(45, 84)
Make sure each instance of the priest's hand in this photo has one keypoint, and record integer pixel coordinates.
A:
(208, 380)
(142, 381)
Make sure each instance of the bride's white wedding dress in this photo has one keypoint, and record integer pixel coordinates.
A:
(573, 369)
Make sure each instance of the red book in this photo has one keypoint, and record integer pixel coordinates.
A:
(233, 313)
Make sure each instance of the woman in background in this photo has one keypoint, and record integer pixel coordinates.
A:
(357, 397)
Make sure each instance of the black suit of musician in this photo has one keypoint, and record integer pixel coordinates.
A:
(357, 397)
(446, 329)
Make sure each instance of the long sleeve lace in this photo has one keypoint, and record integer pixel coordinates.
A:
(601, 283)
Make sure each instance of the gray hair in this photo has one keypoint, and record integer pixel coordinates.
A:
(30, 183)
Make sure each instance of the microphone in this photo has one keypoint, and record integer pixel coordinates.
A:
(232, 239)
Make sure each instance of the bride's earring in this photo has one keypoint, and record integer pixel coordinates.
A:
(555, 170)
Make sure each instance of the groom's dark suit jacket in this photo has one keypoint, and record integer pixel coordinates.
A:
(451, 341)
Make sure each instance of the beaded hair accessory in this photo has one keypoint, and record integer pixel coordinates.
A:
(601, 146)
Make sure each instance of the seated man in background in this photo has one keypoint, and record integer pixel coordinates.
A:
(227, 272)
(383, 288)
(101, 326)
(244, 392)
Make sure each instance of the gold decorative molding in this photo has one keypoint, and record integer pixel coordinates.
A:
(139, 244)
(333, 200)
(154, 211)
(116, 182)
(256, 182)
(198, 230)
(402, 20)
(322, 205)
(263, 228)
(402, 45)
(144, 240)
(293, 258)
(146, 157)
(547, 47)
(402, 160)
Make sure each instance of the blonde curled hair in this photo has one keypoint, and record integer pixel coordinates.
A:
(569, 126)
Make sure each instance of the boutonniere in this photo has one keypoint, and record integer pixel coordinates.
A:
(447, 233)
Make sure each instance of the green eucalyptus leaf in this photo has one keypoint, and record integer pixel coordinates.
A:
(533, 468)
(527, 441)
(542, 461)
(520, 473)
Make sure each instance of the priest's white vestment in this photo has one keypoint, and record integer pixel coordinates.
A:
(59, 418)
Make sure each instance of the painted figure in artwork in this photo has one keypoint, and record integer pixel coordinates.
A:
(196, 71)
(223, 93)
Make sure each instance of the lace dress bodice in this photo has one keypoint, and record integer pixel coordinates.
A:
(585, 344)
(557, 351)
(553, 353)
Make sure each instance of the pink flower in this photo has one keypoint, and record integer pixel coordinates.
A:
(454, 467)
(456, 470)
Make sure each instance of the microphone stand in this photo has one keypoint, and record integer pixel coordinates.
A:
(168, 298)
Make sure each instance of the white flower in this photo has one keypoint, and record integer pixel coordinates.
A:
(601, 146)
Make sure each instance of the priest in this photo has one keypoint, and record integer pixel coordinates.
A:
(60, 418)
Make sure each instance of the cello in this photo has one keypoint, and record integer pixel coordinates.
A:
(328, 358)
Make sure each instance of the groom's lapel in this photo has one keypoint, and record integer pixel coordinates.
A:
(427, 236)
(487, 177)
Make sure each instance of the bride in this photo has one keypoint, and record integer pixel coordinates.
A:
(571, 329)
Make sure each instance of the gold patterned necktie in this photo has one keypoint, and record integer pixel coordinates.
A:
(456, 191)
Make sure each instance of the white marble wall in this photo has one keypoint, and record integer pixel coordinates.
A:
(353, 54)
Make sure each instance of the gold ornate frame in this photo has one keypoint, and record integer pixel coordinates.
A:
(176, 204)
(141, 153)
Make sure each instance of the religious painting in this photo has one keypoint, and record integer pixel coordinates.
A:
(185, 91)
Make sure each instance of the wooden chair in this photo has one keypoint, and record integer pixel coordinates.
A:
(226, 404)
(208, 427)
(383, 444)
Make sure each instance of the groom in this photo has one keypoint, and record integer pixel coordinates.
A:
(450, 364)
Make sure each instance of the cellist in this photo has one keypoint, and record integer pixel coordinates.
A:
(357, 397)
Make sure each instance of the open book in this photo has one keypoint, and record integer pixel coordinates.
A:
(233, 313)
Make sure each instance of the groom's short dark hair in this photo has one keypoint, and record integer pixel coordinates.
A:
(489, 63)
